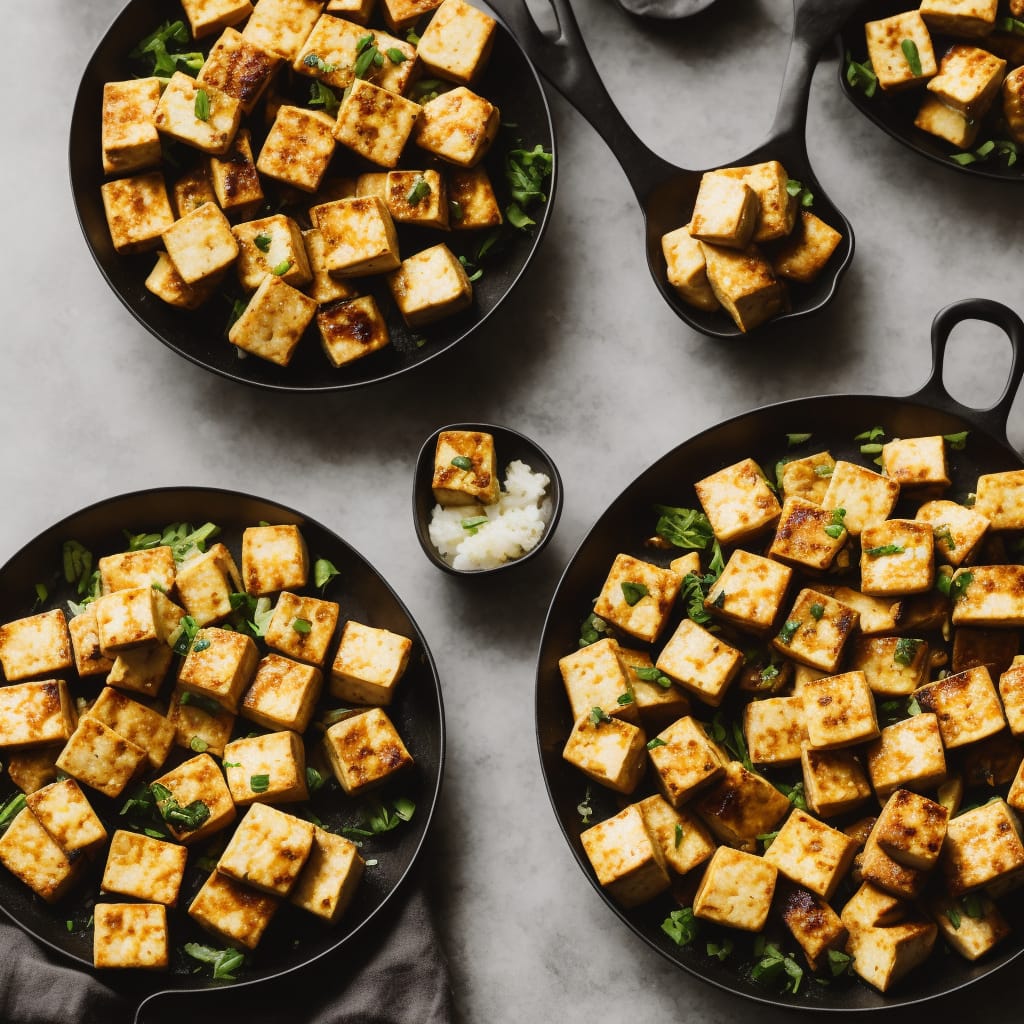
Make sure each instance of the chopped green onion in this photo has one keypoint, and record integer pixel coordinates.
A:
(624, 699)
(835, 528)
(632, 592)
(473, 524)
(311, 60)
(959, 584)
(957, 442)
(681, 926)
(884, 549)
(584, 809)
(906, 650)
(259, 783)
(395, 55)
(223, 961)
(262, 241)
(598, 715)
(303, 626)
(462, 462)
(282, 268)
(861, 76)
(823, 469)
(652, 675)
(198, 744)
(202, 105)
(793, 440)
(655, 743)
(677, 835)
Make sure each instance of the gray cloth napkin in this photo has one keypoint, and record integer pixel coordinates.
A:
(392, 972)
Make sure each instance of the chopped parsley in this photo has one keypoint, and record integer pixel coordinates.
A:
(836, 527)
(526, 174)
(775, 966)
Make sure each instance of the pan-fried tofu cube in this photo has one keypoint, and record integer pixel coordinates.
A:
(323, 287)
(331, 51)
(777, 209)
(130, 935)
(270, 768)
(369, 664)
(283, 694)
(269, 245)
(430, 286)
(145, 728)
(993, 648)
(1011, 692)
(233, 912)
(960, 17)
(989, 595)
(99, 757)
(834, 781)
(197, 726)
(812, 854)
(738, 502)
(457, 126)
(206, 16)
(166, 284)
(969, 79)
(131, 618)
(874, 865)
(657, 700)
(897, 557)
(418, 197)
(201, 244)
(376, 123)
(236, 183)
(34, 768)
(893, 666)
(805, 253)
(351, 329)
(935, 118)
(683, 839)
(359, 237)
(131, 569)
(750, 591)
(31, 854)
(274, 558)
(744, 284)
(741, 806)
(877, 614)
(471, 200)
(608, 750)
(178, 115)
(685, 761)
(736, 890)
(365, 749)
(871, 907)
(200, 779)
(725, 211)
(972, 925)
(455, 483)
(808, 477)
(219, 665)
(638, 597)
(141, 669)
(866, 497)
(907, 754)
(274, 321)
(627, 859)
(240, 69)
(282, 26)
(687, 269)
(888, 41)
(268, 850)
(128, 135)
(957, 530)
(66, 814)
(816, 630)
(457, 42)
(147, 869)
(813, 923)
(330, 877)
(775, 729)
(1000, 499)
(911, 829)
(966, 705)
(840, 711)
(801, 539)
(982, 846)
(700, 662)
(298, 148)
(35, 714)
(193, 189)
(35, 646)
(138, 211)
(1013, 99)
(302, 627)
(400, 15)
(881, 956)
(917, 462)
(374, 183)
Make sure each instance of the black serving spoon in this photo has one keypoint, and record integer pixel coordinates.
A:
(666, 193)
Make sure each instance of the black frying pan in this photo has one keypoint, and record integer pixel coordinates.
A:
(835, 420)
(509, 81)
(293, 938)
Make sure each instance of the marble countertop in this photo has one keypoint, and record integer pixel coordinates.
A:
(587, 360)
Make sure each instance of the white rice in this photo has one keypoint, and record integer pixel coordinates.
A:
(515, 523)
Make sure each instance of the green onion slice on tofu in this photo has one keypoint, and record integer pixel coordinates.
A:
(202, 105)
(395, 55)
(419, 191)
(835, 528)
(184, 633)
(367, 57)
(455, 211)
(462, 462)
(303, 626)
(959, 584)
(909, 48)
(624, 699)
(788, 631)
(185, 819)
(259, 783)
(282, 268)
(198, 744)
(824, 469)
(598, 715)
(884, 549)
(817, 610)
(207, 704)
(655, 743)
(262, 241)
(652, 675)
(312, 60)
(677, 835)
(943, 533)
(906, 650)
(633, 592)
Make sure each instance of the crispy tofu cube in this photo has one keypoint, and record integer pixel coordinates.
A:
(736, 890)
(458, 41)
(205, 584)
(268, 850)
(220, 664)
(935, 118)
(141, 669)
(369, 664)
(351, 329)
(201, 244)
(907, 754)
(330, 876)
(969, 80)
(871, 907)
(132, 618)
(177, 116)
(627, 859)
(298, 148)
(972, 926)
(777, 209)
(374, 183)
(684, 841)
(750, 591)
(417, 197)
(801, 539)
(35, 646)
(1000, 499)
(805, 253)
(270, 768)
(867, 498)
(738, 502)
(233, 912)
(877, 614)
(991, 595)
(685, 761)
(331, 51)
(166, 284)
(834, 781)
(376, 123)
(775, 729)
(687, 269)
(302, 627)
(63, 810)
(957, 530)
(34, 768)
(99, 757)
(982, 846)
(657, 700)
(893, 666)
(269, 245)
(283, 694)
(235, 181)
(966, 705)
(993, 648)
(744, 284)
(365, 749)
(725, 211)
(700, 662)
(200, 779)
(199, 727)
(911, 829)
(609, 751)
(471, 200)
(808, 477)
(1011, 692)
(274, 558)
(457, 126)
(897, 557)
(145, 728)
(875, 866)
(886, 39)
(282, 26)
(813, 923)
(130, 935)
(274, 321)
(138, 211)
(128, 135)
(240, 69)
(741, 806)
(811, 854)
(637, 597)
(455, 484)
(206, 16)
(31, 854)
(816, 630)
(148, 869)
(323, 287)
(960, 17)
(400, 15)
(191, 190)
(359, 237)
(917, 462)
(131, 569)
(430, 286)
(881, 956)
(35, 714)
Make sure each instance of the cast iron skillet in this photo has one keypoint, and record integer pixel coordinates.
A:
(293, 938)
(666, 193)
(895, 113)
(509, 81)
(834, 419)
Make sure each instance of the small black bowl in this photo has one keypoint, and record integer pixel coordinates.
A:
(509, 445)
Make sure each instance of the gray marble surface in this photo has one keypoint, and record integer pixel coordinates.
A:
(587, 360)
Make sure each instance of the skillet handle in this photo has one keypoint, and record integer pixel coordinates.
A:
(993, 419)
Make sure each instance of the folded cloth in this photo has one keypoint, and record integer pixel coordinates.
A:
(391, 972)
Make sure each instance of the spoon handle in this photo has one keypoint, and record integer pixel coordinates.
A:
(565, 62)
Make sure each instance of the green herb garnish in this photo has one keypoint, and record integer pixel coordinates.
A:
(198, 744)
(42, 593)
(584, 809)
(262, 241)
(259, 783)
(184, 633)
(839, 963)
(788, 631)
(794, 794)
(282, 268)
(861, 76)
(11, 809)
(223, 961)
(823, 469)
(598, 715)
(473, 524)
(913, 708)
(681, 926)
(593, 629)
(78, 562)
(202, 105)
(906, 650)
(652, 675)
(991, 148)
(632, 592)
(312, 60)
(655, 743)
(526, 172)
(793, 440)
(419, 191)
(872, 434)
(683, 527)
(775, 966)
(973, 907)
(958, 585)
(767, 838)
(943, 533)
(836, 527)
(954, 917)
(314, 780)
(158, 46)
(817, 610)
(957, 442)
(909, 48)
(462, 462)
(624, 699)
(677, 835)
(395, 55)
(884, 549)
(303, 626)
(323, 572)
(184, 819)
(720, 950)
(323, 96)
(804, 196)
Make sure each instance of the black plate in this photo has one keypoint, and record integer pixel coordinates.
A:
(630, 519)
(509, 81)
(895, 113)
(417, 713)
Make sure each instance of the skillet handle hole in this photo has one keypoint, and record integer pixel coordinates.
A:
(977, 364)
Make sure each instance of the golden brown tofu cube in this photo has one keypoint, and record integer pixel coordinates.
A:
(268, 850)
(147, 869)
(897, 557)
(274, 558)
(141, 669)
(1000, 499)
(840, 711)
(684, 840)
(685, 761)
(271, 245)
(972, 925)
(935, 118)
(145, 727)
(834, 781)
(989, 595)
(881, 956)
(911, 829)
(283, 694)
(458, 41)
(750, 591)
(100, 758)
(808, 477)
(627, 859)
(330, 877)
(744, 284)
(471, 200)
(1013, 98)
(282, 26)
(888, 41)
(960, 17)
(608, 750)
(206, 16)
(875, 866)
(233, 912)
(129, 138)
(777, 209)
(273, 322)
(37, 645)
(417, 197)
(138, 211)
(302, 627)
(816, 630)
(866, 498)
(969, 79)
(179, 114)
(205, 584)
(131, 569)
(298, 148)
(197, 726)
(199, 779)
(351, 329)
(270, 768)
(741, 806)
(637, 597)
(801, 538)
(957, 530)
(966, 705)
(193, 189)
(982, 846)
(457, 126)
(35, 714)
(32, 769)
(893, 666)
(877, 614)
(66, 814)
(811, 854)
(917, 462)
(775, 729)
(365, 749)
(738, 502)
(813, 923)
(376, 123)
(31, 854)
(700, 662)
(333, 48)
(736, 890)
(805, 253)
(907, 754)
(369, 664)
(130, 935)
(219, 665)
(687, 269)
(240, 69)
(725, 212)
(456, 483)
(166, 284)
(134, 618)
(359, 237)
(430, 285)
(200, 244)
(400, 15)
(323, 287)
